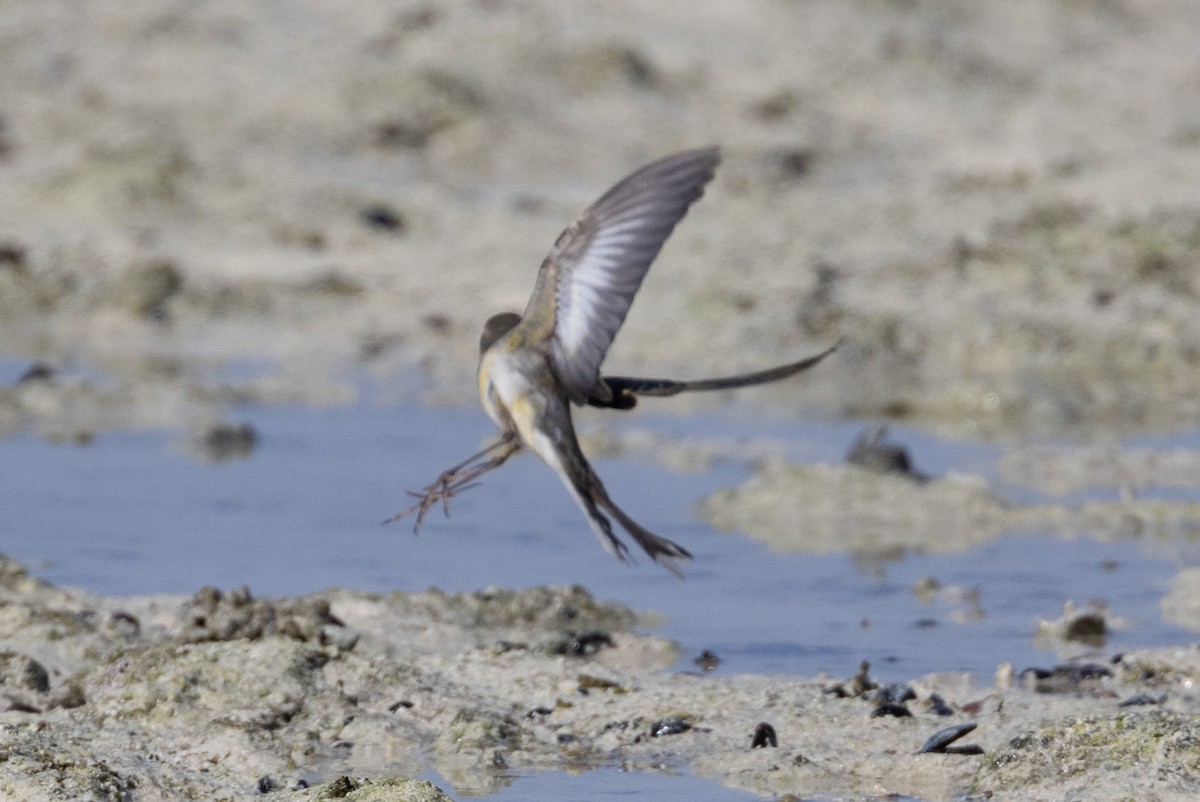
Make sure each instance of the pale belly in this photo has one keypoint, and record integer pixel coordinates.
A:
(517, 390)
(509, 392)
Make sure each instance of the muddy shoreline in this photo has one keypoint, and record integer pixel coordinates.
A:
(993, 207)
(225, 696)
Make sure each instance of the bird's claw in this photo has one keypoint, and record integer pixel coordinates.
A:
(457, 479)
(442, 489)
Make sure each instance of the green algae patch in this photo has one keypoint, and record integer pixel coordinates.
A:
(1077, 753)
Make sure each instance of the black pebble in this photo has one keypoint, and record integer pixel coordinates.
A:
(1141, 699)
(671, 725)
(584, 644)
(708, 660)
(894, 693)
(764, 735)
(38, 371)
(938, 706)
(939, 742)
(381, 217)
(890, 709)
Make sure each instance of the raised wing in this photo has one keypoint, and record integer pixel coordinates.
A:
(588, 281)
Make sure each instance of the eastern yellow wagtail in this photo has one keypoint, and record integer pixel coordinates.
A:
(533, 366)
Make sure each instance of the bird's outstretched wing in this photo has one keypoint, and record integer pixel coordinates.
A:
(624, 390)
(588, 281)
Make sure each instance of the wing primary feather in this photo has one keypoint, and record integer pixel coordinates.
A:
(597, 265)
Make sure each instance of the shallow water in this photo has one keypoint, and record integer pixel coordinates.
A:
(604, 784)
(133, 513)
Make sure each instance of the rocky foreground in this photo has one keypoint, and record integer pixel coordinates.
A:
(346, 695)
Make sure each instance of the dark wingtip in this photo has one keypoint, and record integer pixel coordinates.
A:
(672, 562)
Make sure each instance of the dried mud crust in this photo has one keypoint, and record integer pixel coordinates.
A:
(346, 693)
(993, 205)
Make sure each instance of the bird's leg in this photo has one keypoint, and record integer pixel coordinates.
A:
(454, 480)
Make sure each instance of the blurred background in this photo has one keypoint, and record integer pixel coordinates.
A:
(996, 206)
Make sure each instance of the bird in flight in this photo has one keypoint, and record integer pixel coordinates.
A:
(533, 366)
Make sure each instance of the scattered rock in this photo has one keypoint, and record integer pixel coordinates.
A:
(1141, 699)
(1072, 678)
(671, 725)
(856, 686)
(257, 688)
(225, 441)
(213, 615)
(894, 693)
(940, 742)
(23, 672)
(12, 254)
(793, 163)
(936, 705)
(383, 218)
(583, 644)
(1087, 625)
(890, 709)
(870, 451)
(37, 372)
(707, 661)
(763, 736)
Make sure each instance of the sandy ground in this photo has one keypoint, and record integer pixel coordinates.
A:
(224, 696)
(994, 205)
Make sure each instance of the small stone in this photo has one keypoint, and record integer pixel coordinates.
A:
(1139, 699)
(21, 671)
(671, 725)
(890, 709)
(707, 661)
(382, 217)
(764, 736)
(225, 441)
(940, 741)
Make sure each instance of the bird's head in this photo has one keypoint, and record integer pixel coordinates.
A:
(496, 327)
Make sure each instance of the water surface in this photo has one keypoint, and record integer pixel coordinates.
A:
(133, 513)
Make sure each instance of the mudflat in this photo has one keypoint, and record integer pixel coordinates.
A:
(993, 206)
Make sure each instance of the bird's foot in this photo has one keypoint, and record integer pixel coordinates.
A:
(457, 479)
(442, 489)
